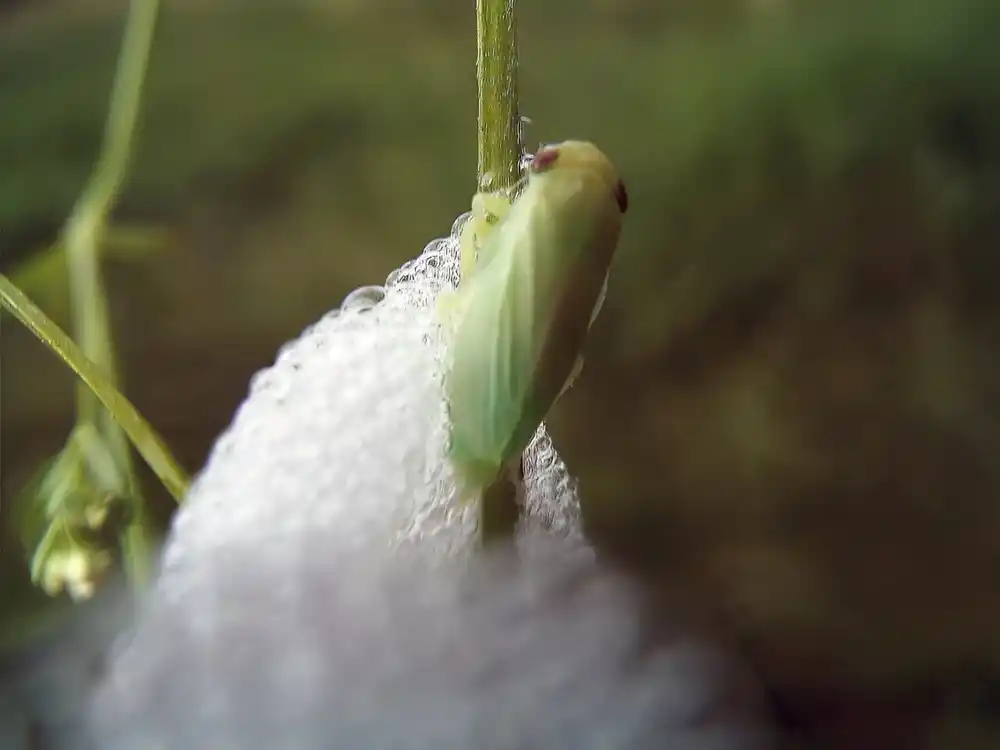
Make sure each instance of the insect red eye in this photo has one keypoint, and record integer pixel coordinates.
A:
(544, 159)
(621, 195)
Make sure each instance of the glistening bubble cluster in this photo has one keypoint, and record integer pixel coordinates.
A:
(347, 431)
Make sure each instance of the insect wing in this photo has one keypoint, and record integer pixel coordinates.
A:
(495, 347)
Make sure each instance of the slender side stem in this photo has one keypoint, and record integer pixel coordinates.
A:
(86, 226)
(496, 70)
(500, 145)
(82, 236)
(139, 431)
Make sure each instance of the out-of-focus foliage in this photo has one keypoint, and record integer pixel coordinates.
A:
(790, 405)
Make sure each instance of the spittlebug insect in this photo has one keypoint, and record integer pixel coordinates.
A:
(521, 315)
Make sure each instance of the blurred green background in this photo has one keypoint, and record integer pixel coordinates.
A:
(790, 407)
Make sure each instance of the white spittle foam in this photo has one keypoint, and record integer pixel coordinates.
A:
(346, 434)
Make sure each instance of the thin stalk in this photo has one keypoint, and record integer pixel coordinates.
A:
(150, 446)
(86, 226)
(500, 507)
(499, 152)
(82, 236)
(496, 74)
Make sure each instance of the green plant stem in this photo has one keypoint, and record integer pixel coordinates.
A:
(83, 233)
(499, 152)
(139, 431)
(85, 228)
(496, 73)
(500, 509)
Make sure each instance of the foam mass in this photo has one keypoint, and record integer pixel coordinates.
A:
(306, 648)
(315, 591)
(347, 432)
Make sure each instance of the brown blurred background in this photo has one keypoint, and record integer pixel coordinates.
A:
(790, 406)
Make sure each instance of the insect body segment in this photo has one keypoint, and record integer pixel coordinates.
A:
(488, 209)
(521, 315)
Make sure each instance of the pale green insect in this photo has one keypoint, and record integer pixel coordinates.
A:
(521, 315)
